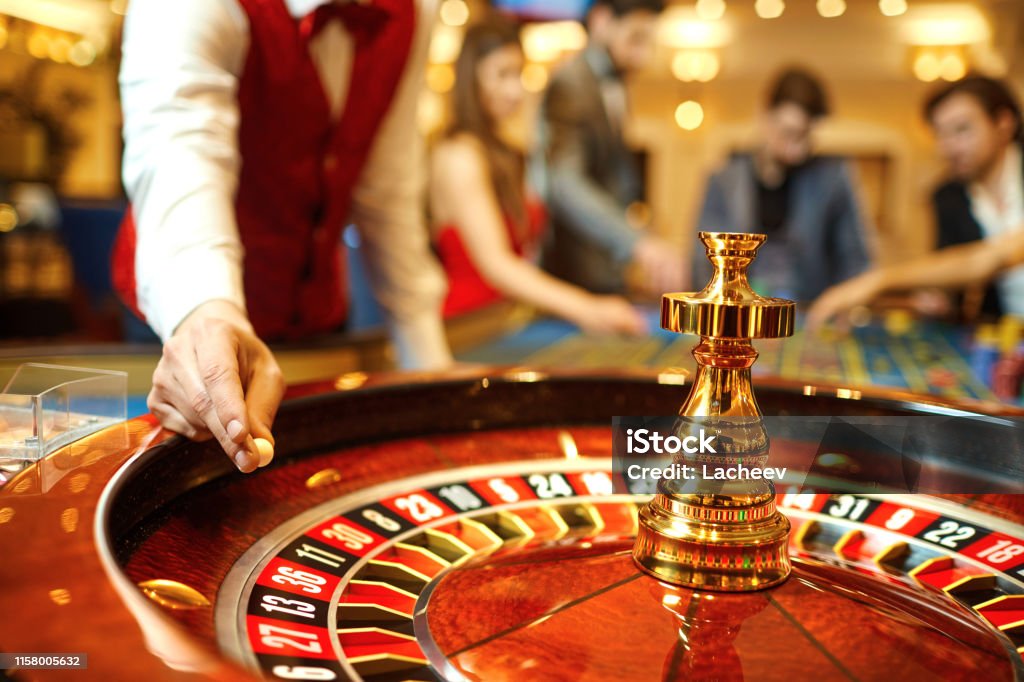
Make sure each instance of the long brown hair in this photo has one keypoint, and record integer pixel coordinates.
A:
(506, 164)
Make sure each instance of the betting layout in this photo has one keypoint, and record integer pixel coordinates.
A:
(894, 351)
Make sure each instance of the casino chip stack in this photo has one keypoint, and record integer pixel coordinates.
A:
(1005, 373)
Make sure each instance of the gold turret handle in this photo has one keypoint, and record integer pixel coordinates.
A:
(701, 534)
(727, 308)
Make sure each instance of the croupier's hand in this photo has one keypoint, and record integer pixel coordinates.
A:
(216, 379)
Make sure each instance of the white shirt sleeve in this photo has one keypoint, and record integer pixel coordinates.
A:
(179, 86)
(388, 208)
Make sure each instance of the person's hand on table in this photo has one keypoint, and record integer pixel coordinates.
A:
(217, 379)
(611, 315)
(931, 303)
(840, 299)
(661, 265)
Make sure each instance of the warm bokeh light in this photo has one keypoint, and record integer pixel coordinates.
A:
(440, 77)
(8, 218)
(39, 44)
(952, 67)
(695, 65)
(445, 44)
(769, 9)
(3, 34)
(689, 115)
(454, 12)
(91, 19)
(933, 63)
(927, 67)
(539, 44)
(830, 9)
(680, 28)
(535, 77)
(83, 53)
(60, 49)
(892, 8)
(546, 42)
(710, 10)
(430, 114)
(946, 24)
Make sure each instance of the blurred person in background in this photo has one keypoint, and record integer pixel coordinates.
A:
(592, 176)
(254, 131)
(806, 204)
(977, 126)
(979, 210)
(970, 264)
(489, 225)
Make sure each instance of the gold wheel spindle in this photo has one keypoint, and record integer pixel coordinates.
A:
(712, 534)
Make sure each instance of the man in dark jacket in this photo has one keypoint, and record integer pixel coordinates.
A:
(805, 204)
(592, 175)
(977, 124)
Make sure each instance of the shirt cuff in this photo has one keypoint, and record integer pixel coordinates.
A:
(420, 342)
(187, 281)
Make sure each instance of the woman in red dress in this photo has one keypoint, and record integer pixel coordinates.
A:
(488, 225)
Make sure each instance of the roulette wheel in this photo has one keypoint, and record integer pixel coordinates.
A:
(470, 526)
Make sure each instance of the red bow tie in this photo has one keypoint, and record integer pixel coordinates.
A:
(359, 17)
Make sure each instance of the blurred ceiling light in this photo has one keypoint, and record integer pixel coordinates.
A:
(74, 16)
(892, 8)
(769, 9)
(440, 77)
(695, 65)
(60, 49)
(445, 44)
(39, 44)
(454, 12)
(689, 115)
(710, 10)
(83, 53)
(8, 218)
(681, 28)
(831, 9)
(947, 24)
(547, 41)
(535, 77)
(952, 67)
(927, 67)
(430, 112)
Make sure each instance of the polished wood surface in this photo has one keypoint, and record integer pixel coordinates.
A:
(55, 591)
(558, 613)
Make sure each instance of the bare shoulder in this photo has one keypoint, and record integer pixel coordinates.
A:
(459, 155)
(460, 160)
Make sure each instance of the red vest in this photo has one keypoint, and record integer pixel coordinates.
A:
(298, 168)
